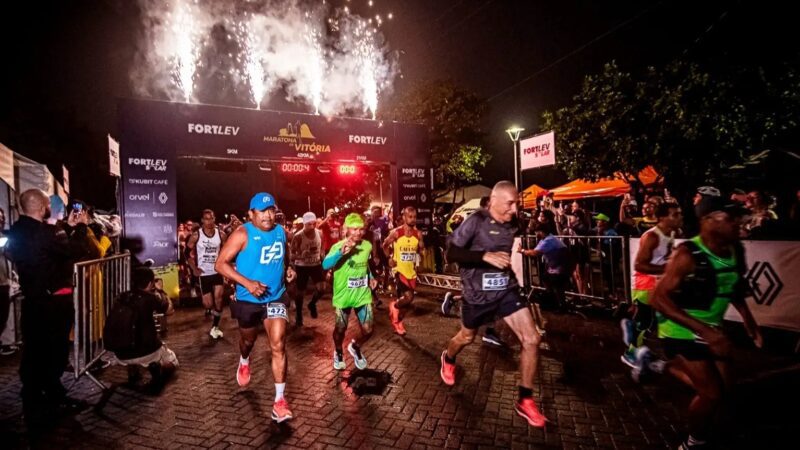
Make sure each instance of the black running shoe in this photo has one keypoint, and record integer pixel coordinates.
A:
(491, 338)
(312, 308)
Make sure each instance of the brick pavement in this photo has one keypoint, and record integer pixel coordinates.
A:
(582, 387)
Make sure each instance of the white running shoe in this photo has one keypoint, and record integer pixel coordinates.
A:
(215, 332)
(358, 358)
(338, 363)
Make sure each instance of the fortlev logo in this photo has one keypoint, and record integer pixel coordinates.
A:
(765, 283)
(162, 197)
(156, 165)
(220, 130)
(413, 172)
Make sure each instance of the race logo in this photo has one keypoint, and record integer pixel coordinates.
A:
(299, 137)
(764, 282)
(273, 253)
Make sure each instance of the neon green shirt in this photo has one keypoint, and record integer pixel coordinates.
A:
(351, 275)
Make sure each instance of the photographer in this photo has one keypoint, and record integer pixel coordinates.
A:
(44, 256)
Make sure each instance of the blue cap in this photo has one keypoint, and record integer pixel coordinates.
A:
(262, 201)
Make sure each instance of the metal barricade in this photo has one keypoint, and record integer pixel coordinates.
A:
(449, 282)
(602, 271)
(97, 284)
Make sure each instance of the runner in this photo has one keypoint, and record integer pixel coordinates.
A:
(407, 243)
(204, 246)
(307, 252)
(352, 289)
(655, 247)
(331, 229)
(259, 250)
(482, 246)
(704, 275)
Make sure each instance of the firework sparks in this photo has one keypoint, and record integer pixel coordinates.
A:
(330, 58)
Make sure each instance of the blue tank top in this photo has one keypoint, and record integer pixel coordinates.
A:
(262, 260)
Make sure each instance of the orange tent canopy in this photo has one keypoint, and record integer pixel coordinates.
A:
(530, 195)
(608, 187)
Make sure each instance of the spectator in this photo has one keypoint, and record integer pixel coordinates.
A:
(5, 286)
(131, 322)
(762, 219)
(610, 253)
(739, 196)
(44, 256)
(705, 191)
(648, 219)
(558, 261)
(331, 229)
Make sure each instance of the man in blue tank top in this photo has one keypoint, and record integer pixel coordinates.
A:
(255, 257)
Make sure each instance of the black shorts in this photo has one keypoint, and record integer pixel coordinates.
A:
(689, 349)
(645, 317)
(251, 315)
(306, 272)
(207, 283)
(404, 284)
(473, 316)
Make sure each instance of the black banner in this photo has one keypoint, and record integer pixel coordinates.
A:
(414, 189)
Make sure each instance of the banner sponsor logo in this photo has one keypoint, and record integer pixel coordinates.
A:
(148, 181)
(163, 214)
(538, 151)
(134, 215)
(219, 130)
(765, 283)
(139, 197)
(413, 172)
(149, 164)
(299, 137)
(161, 244)
(369, 140)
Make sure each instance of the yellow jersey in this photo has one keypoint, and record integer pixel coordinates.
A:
(406, 248)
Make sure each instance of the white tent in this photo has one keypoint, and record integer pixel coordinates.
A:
(463, 194)
(19, 174)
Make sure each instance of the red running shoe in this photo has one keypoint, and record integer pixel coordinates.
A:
(527, 409)
(448, 371)
(281, 411)
(243, 374)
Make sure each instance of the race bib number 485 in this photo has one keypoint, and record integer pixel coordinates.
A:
(495, 281)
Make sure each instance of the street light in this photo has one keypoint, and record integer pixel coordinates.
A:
(513, 133)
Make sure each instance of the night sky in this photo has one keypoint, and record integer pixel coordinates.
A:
(65, 63)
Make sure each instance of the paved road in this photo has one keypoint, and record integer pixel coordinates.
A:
(401, 402)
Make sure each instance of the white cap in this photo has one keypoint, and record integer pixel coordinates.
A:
(309, 217)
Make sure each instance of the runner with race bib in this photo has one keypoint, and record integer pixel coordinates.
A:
(352, 289)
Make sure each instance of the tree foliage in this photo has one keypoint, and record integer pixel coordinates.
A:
(453, 117)
(689, 124)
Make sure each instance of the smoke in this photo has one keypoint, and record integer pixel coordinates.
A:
(246, 52)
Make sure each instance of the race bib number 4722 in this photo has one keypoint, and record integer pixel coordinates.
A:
(495, 281)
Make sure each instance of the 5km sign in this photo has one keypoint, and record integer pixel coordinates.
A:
(537, 151)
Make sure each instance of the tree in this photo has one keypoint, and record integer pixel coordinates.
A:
(453, 117)
(689, 124)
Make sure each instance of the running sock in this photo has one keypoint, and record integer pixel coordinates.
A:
(525, 392)
(217, 317)
(448, 359)
(340, 354)
(279, 387)
(244, 361)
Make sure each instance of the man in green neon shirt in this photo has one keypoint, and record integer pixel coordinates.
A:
(352, 289)
(704, 276)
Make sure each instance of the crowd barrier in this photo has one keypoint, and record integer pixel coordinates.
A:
(601, 274)
(97, 284)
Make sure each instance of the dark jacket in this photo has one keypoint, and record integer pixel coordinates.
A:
(145, 304)
(44, 255)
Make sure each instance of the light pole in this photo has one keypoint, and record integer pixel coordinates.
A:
(513, 133)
